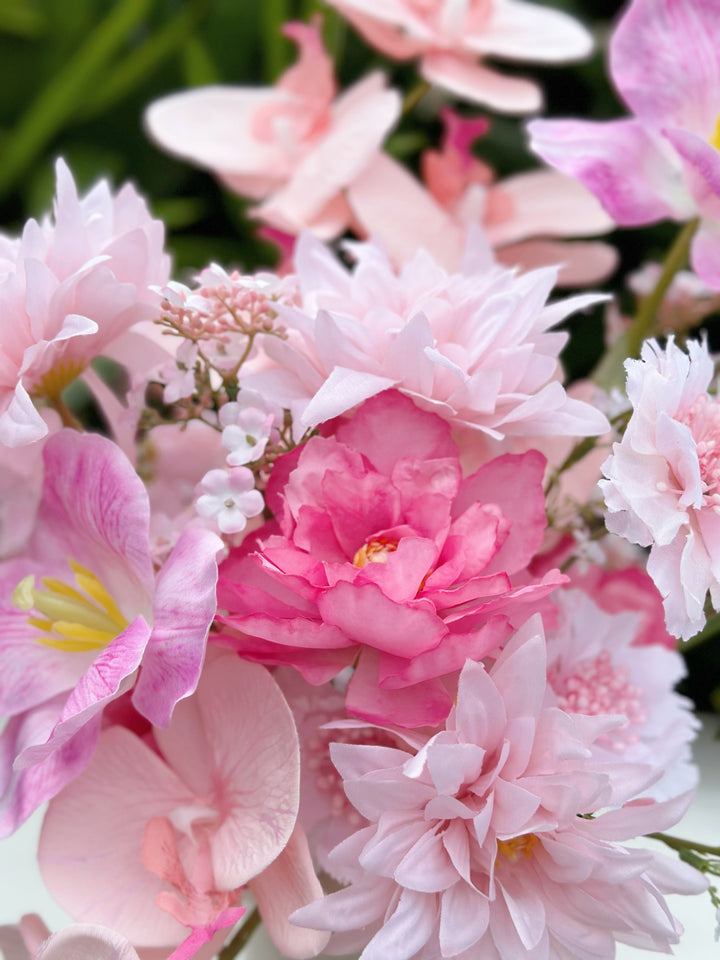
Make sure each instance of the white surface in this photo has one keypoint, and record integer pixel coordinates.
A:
(22, 890)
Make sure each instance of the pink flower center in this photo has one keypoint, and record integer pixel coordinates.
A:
(327, 779)
(597, 687)
(374, 551)
(703, 419)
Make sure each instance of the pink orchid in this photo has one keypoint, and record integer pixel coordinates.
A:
(69, 290)
(383, 556)
(479, 841)
(476, 347)
(663, 480)
(178, 829)
(451, 38)
(663, 163)
(292, 146)
(519, 214)
(82, 611)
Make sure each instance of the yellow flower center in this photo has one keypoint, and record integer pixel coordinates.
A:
(518, 846)
(71, 620)
(52, 383)
(715, 138)
(374, 551)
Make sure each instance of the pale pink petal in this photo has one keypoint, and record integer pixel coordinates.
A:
(480, 84)
(705, 253)
(285, 886)
(581, 262)
(513, 28)
(86, 941)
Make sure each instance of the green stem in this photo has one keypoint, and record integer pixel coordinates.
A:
(66, 415)
(610, 372)
(676, 843)
(676, 258)
(414, 96)
(242, 937)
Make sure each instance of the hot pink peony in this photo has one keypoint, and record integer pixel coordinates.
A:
(498, 836)
(383, 556)
(292, 146)
(521, 215)
(663, 479)
(663, 163)
(451, 38)
(154, 839)
(475, 347)
(80, 612)
(69, 288)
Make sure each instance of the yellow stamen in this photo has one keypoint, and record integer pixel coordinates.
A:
(374, 551)
(517, 846)
(77, 619)
(715, 138)
(52, 383)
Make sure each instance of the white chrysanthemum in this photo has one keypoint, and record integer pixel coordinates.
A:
(663, 480)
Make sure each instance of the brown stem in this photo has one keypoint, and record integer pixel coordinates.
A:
(242, 937)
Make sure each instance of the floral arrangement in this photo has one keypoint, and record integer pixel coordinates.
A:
(353, 617)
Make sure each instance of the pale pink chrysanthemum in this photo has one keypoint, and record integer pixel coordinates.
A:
(475, 347)
(498, 837)
(663, 479)
(69, 288)
(595, 666)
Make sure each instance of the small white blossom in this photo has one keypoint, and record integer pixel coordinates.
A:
(229, 497)
(246, 431)
(179, 375)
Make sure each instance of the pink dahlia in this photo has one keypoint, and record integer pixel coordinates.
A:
(476, 347)
(498, 836)
(69, 288)
(382, 555)
(451, 38)
(663, 479)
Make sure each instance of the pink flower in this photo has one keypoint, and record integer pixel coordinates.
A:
(82, 610)
(69, 290)
(451, 38)
(475, 347)
(480, 845)
(293, 146)
(663, 479)
(595, 667)
(151, 840)
(519, 214)
(229, 498)
(663, 162)
(382, 555)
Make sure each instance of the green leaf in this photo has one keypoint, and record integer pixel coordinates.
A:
(56, 103)
(198, 64)
(21, 18)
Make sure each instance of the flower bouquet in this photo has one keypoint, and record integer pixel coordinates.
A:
(333, 603)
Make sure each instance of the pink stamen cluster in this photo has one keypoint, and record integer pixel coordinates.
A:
(598, 687)
(327, 779)
(214, 311)
(703, 419)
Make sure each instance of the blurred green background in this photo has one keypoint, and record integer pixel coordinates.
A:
(76, 76)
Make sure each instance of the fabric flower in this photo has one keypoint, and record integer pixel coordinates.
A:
(595, 667)
(663, 163)
(154, 839)
(663, 479)
(230, 498)
(82, 609)
(521, 215)
(475, 347)
(383, 556)
(498, 836)
(72, 286)
(450, 38)
(292, 146)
